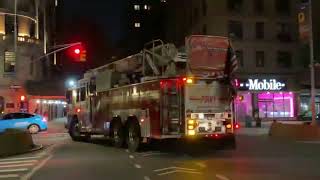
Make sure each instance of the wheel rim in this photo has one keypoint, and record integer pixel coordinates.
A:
(33, 129)
(133, 137)
(116, 136)
(75, 130)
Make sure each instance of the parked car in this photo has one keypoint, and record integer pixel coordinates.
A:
(31, 122)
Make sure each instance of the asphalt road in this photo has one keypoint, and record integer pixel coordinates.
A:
(256, 158)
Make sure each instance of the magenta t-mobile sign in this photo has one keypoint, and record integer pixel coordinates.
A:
(263, 85)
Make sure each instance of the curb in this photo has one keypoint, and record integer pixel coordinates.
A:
(37, 148)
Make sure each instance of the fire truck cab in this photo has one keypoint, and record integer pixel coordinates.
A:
(151, 95)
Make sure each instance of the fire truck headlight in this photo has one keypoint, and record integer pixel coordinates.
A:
(189, 81)
(191, 132)
(191, 122)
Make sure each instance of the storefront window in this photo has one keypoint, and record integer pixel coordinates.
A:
(276, 105)
(305, 104)
(243, 106)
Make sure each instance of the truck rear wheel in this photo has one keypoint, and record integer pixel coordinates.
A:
(133, 137)
(74, 131)
(117, 135)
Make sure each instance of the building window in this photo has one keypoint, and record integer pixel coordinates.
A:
(204, 7)
(239, 54)
(136, 7)
(259, 59)
(283, 32)
(284, 59)
(137, 25)
(235, 29)
(258, 6)
(283, 7)
(204, 29)
(9, 61)
(235, 5)
(260, 30)
(9, 24)
(83, 94)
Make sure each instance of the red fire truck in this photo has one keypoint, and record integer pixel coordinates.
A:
(160, 93)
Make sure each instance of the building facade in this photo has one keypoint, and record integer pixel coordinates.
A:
(265, 37)
(25, 36)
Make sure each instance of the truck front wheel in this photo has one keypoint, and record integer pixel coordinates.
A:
(133, 137)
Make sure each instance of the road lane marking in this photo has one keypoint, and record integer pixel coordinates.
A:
(146, 178)
(137, 166)
(35, 169)
(13, 170)
(173, 167)
(131, 157)
(9, 176)
(153, 154)
(221, 177)
(17, 162)
(16, 165)
(22, 158)
(127, 150)
(202, 165)
(309, 142)
(179, 171)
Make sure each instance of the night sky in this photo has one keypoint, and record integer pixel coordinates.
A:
(100, 24)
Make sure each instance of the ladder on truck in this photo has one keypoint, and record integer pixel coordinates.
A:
(171, 108)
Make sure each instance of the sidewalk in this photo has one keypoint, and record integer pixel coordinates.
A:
(57, 125)
(254, 131)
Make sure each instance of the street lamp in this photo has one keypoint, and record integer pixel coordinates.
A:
(71, 83)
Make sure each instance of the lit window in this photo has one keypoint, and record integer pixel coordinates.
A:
(145, 7)
(136, 7)
(137, 25)
(9, 61)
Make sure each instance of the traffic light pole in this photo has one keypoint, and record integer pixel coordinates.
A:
(61, 48)
(312, 64)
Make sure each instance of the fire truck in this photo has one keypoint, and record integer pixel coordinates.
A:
(160, 93)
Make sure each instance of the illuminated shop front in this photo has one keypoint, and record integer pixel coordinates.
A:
(268, 99)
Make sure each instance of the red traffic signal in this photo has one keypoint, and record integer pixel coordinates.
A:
(78, 53)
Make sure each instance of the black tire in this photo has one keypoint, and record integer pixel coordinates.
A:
(133, 137)
(117, 135)
(74, 131)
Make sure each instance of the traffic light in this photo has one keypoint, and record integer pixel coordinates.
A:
(83, 56)
(23, 104)
(78, 53)
(22, 98)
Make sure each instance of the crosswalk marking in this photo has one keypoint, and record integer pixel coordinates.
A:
(13, 170)
(9, 176)
(16, 165)
(22, 158)
(16, 162)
